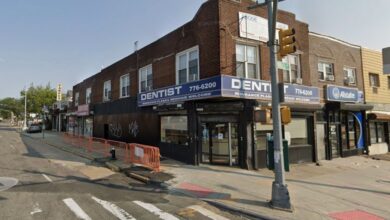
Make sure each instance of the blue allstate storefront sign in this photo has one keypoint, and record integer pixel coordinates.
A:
(226, 86)
(342, 94)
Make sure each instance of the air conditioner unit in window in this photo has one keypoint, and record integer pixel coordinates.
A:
(298, 81)
(330, 77)
(375, 90)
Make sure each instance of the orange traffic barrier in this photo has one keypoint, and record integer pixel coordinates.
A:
(145, 155)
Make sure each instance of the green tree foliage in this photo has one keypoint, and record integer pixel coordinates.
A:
(8, 105)
(37, 97)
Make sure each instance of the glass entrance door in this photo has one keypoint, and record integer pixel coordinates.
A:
(220, 143)
(334, 140)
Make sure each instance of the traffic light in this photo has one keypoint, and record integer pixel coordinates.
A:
(285, 115)
(286, 42)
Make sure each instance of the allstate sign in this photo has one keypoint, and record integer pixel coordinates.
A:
(341, 94)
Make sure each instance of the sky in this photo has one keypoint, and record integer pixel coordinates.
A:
(66, 41)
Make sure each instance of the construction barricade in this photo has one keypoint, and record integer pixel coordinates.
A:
(138, 154)
(144, 155)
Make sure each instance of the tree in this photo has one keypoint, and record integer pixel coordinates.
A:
(38, 96)
(8, 105)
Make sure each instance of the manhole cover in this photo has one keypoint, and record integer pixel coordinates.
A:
(7, 182)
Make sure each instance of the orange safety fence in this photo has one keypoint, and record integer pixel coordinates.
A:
(144, 155)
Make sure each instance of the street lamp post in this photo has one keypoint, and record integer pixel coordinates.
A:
(25, 110)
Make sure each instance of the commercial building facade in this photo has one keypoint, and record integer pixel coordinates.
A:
(377, 92)
(194, 92)
(336, 68)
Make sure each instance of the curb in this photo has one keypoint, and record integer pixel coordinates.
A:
(230, 208)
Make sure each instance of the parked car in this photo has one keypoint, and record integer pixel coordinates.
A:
(33, 128)
(1, 119)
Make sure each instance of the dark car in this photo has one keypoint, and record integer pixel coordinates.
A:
(34, 128)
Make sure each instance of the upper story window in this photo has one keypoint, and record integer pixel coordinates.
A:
(388, 82)
(349, 76)
(187, 65)
(146, 78)
(88, 93)
(325, 71)
(374, 80)
(107, 91)
(125, 85)
(291, 69)
(76, 99)
(247, 61)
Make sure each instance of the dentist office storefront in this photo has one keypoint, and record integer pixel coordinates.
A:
(212, 120)
(345, 115)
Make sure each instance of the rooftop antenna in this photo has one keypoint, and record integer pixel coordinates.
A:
(135, 46)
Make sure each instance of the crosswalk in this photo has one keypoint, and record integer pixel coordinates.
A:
(139, 208)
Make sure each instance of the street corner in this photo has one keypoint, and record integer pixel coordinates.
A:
(200, 192)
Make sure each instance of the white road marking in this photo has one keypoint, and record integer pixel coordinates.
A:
(75, 208)
(47, 178)
(156, 211)
(36, 209)
(207, 213)
(114, 209)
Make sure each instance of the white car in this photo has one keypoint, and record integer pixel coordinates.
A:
(1, 119)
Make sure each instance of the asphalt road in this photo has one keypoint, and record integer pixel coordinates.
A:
(53, 184)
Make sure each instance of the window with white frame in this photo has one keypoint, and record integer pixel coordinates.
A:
(247, 61)
(187, 65)
(349, 76)
(291, 69)
(125, 85)
(76, 99)
(88, 93)
(146, 78)
(107, 91)
(325, 71)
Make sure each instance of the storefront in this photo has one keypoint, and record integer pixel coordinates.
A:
(212, 120)
(379, 132)
(345, 117)
(83, 123)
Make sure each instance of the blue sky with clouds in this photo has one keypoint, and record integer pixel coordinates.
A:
(66, 41)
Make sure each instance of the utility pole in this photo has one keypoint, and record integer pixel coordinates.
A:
(25, 110)
(280, 195)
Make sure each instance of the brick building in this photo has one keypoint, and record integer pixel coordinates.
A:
(194, 92)
(336, 68)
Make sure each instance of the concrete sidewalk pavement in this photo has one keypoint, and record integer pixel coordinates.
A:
(339, 189)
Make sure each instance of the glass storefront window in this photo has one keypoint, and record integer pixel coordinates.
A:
(373, 133)
(88, 127)
(174, 130)
(380, 132)
(351, 131)
(296, 132)
(262, 130)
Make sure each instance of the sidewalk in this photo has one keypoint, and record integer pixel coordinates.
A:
(329, 191)
(55, 139)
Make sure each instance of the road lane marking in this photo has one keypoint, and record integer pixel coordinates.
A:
(207, 213)
(47, 178)
(156, 211)
(75, 208)
(36, 209)
(114, 209)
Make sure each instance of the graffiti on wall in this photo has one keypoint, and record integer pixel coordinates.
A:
(133, 128)
(116, 130)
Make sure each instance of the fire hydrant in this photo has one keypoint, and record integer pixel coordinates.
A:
(112, 152)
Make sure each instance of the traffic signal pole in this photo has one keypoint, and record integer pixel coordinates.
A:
(280, 195)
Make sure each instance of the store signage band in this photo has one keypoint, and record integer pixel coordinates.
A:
(226, 86)
(341, 94)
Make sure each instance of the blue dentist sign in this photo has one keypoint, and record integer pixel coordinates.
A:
(226, 86)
